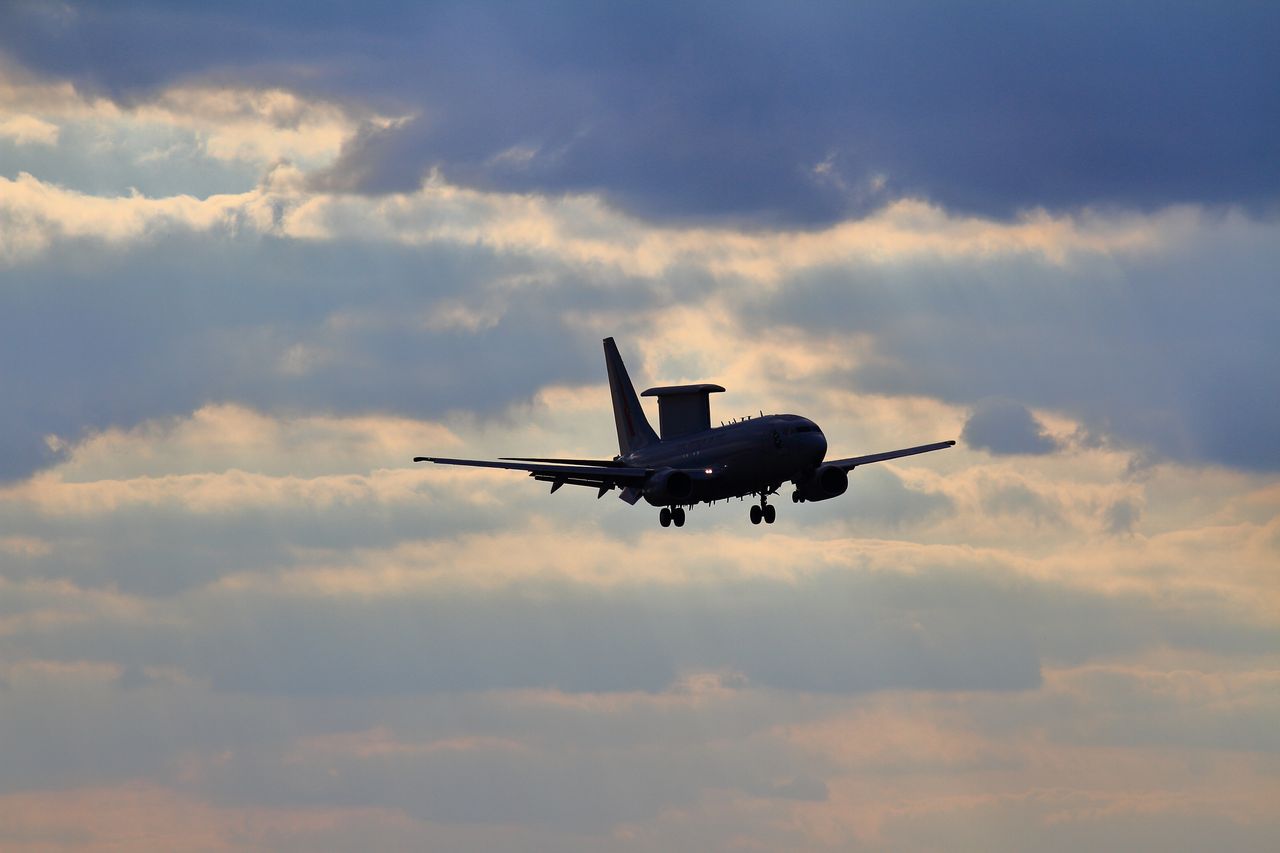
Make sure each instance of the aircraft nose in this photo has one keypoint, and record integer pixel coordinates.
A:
(819, 446)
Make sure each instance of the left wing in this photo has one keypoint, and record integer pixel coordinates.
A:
(854, 461)
(601, 477)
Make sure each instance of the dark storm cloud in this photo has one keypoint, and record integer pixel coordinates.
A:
(766, 112)
(1004, 426)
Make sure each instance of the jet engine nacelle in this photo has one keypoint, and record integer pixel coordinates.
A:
(829, 481)
(668, 486)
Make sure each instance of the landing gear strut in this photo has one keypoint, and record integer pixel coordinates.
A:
(667, 515)
(765, 511)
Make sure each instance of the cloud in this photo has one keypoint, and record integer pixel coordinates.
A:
(895, 767)
(187, 138)
(28, 130)
(1121, 516)
(38, 214)
(1130, 342)
(255, 261)
(419, 629)
(384, 689)
(1004, 426)
(458, 270)
(664, 112)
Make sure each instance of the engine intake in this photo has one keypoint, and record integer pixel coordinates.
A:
(668, 486)
(829, 481)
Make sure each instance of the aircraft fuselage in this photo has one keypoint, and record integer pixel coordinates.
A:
(741, 458)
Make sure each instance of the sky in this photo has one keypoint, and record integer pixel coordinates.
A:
(254, 259)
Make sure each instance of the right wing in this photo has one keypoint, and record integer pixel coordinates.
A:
(603, 478)
(854, 461)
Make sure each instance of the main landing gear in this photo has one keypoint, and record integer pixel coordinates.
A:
(667, 515)
(765, 511)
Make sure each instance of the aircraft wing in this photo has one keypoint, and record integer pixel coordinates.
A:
(603, 478)
(854, 461)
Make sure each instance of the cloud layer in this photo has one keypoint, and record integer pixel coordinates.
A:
(778, 116)
(252, 261)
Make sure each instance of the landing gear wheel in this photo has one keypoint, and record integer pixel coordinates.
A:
(795, 497)
(770, 513)
(664, 517)
(756, 514)
(677, 516)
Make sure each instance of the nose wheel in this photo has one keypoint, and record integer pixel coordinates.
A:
(671, 515)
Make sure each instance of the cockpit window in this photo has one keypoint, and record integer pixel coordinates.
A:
(807, 428)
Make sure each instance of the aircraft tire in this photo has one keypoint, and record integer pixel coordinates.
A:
(677, 516)
(664, 517)
(770, 513)
(756, 514)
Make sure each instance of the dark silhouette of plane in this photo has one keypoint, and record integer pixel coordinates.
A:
(693, 462)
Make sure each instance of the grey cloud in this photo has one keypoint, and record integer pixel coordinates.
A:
(160, 552)
(878, 502)
(1071, 820)
(1006, 427)
(1121, 516)
(677, 111)
(835, 632)
(471, 758)
(1126, 709)
(243, 686)
(158, 549)
(103, 338)
(518, 783)
(1018, 499)
(1170, 351)
(231, 695)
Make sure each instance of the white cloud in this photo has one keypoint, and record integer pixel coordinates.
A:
(29, 130)
(36, 214)
(228, 123)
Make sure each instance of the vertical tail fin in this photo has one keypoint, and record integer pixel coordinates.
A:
(634, 431)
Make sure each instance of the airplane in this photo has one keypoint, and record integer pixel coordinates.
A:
(690, 462)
